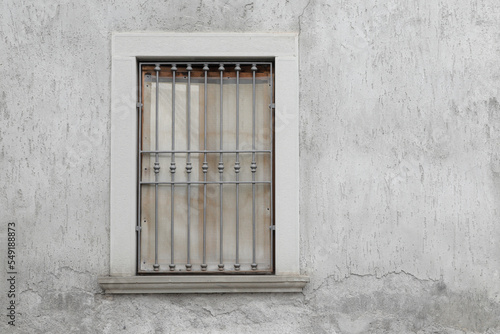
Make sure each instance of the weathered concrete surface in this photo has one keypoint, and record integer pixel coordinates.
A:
(400, 166)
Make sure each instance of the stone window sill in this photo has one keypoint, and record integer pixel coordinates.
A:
(202, 284)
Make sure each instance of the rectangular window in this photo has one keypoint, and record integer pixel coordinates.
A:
(140, 224)
(206, 167)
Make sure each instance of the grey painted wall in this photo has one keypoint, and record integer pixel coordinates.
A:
(400, 166)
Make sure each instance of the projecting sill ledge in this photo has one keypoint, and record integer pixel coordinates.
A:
(202, 284)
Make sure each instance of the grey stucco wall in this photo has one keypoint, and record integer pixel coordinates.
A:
(399, 160)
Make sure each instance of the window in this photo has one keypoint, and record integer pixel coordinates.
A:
(205, 176)
(126, 275)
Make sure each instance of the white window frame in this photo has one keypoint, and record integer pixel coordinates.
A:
(127, 49)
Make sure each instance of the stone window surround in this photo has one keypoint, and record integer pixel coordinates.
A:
(127, 49)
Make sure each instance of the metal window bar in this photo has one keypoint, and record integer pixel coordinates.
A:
(205, 182)
(221, 169)
(172, 172)
(156, 167)
(272, 228)
(204, 167)
(207, 151)
(237, 167)
(210, 80)
(139, 172)
(253, 167)
(189, 167)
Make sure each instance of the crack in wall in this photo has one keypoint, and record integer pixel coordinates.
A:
(400, 272)
(378, 277)
(302, 14)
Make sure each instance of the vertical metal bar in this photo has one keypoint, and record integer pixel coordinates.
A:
(139, 171)
(271, 125)
(189, 167)
(205, 170)
(237, 167)
(221, 167)
(156, 167)
(253, 167)
(172, 173)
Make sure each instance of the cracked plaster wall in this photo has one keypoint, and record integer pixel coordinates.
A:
(399, 160)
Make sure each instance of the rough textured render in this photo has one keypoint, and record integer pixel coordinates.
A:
(400, 166)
